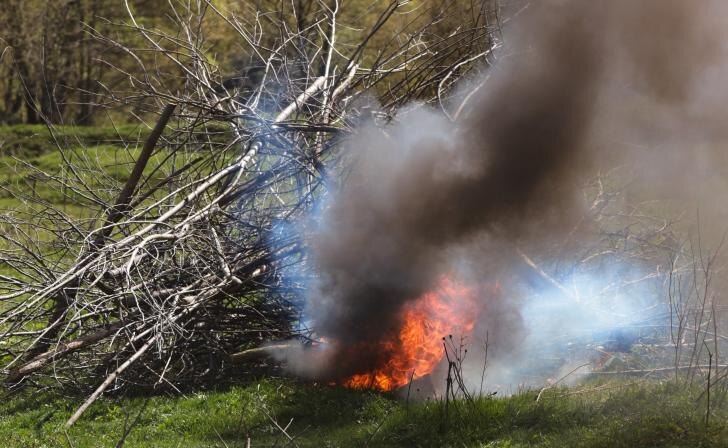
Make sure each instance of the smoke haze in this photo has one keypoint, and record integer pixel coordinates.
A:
(579, 86)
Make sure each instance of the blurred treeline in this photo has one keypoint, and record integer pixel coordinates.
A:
(68, 61)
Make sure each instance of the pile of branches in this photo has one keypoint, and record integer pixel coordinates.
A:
(154, 274)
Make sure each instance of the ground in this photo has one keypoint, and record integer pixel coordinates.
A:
(617, 413)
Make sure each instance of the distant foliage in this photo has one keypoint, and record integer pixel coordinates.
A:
(67, 61)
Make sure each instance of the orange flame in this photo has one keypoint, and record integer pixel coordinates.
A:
(417, 349)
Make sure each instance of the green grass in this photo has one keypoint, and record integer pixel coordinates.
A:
(99, 153)
(102, 156)
(102, 168)
(653, 414)
(33, 140)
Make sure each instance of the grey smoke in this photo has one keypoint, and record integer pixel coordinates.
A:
(427, 196)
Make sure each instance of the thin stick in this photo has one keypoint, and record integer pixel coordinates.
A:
(532, 264)
(707, 409)
(110, 379)
(538, 397)
(124, 198)
(408, 389)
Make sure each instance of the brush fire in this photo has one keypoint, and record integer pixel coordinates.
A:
(530, 167)
(417, 348)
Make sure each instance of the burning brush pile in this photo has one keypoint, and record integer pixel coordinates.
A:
(513, 217)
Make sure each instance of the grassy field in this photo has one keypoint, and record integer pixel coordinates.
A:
(615, 414)
(26, 141)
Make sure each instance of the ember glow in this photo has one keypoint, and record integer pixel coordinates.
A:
(418, 347)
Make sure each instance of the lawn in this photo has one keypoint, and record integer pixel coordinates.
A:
(616, 413)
